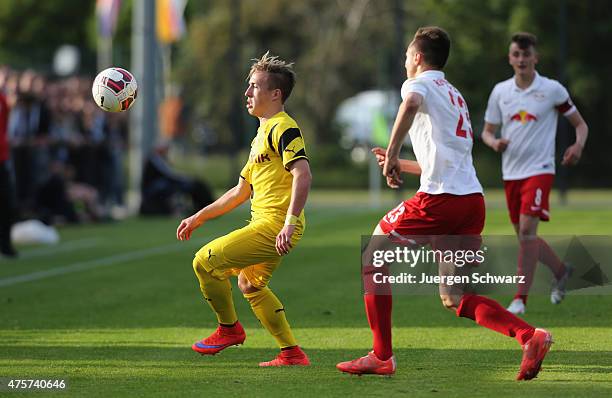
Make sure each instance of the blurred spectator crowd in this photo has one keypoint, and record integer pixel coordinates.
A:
(66, 154)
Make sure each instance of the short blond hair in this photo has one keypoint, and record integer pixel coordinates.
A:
(280, 73)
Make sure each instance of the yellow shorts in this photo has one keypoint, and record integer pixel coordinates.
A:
(250, 250)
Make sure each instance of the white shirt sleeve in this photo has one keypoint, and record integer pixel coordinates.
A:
(414, 86)
(562, 101)
(493, 114)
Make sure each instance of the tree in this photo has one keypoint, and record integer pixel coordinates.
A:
(31, 30)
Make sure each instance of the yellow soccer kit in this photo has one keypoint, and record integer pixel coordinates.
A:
(278, 143)
(251, 249)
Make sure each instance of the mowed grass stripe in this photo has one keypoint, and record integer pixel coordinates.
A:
(567, 338)
(160, 363)
(69, 246)
(88, 265)
(126, 330)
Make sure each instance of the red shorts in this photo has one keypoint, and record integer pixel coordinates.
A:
(444, 214)
(529, 196)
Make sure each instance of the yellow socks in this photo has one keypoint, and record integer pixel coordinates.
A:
(271, 313)
(218, 294)
(266, 306)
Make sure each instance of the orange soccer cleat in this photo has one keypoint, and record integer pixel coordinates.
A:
(534, 352)
(291, 357)
(370, 364)
(221, 338)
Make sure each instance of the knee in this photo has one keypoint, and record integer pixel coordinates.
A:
(450, 302)
(525, 233)
(201, 273)
(197, 267)
(244, 285)
(527, 230)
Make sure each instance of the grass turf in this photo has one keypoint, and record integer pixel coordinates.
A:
(114, 309)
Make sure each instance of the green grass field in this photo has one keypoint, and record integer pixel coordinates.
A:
(114, 309)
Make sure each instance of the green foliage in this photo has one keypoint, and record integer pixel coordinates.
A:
(341, 48)
(31, 30)
(344, 47)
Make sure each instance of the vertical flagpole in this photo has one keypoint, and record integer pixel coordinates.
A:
(105, 52)
(166, 55)
(143, 116)
(236, 122)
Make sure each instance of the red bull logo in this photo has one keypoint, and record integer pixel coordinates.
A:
(524, 117)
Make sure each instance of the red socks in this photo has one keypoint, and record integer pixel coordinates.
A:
(378, 310)
(549, 258)
(490, 314)
(483, 310)
(530, 252)
(378, 301)
(527, 260)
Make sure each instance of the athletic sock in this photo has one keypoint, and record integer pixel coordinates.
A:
(490, 314)
(527, 260)
(218, 294)
(549, 258)
(378, 301)
(522, 297)
(378, 311)
(271, 313)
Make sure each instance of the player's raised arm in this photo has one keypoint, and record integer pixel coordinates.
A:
(488, 137)
(227, 202)
(300, 169)
(406, 166)
(573, 154)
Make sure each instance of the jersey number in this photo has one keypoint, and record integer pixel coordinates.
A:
(460, 104)
(394, 214)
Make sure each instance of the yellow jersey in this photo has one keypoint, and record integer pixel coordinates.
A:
(277, 144)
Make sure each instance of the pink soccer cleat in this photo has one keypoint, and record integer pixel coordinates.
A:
(291, 357)
(534, 352)
(370, 364)
(221, 338)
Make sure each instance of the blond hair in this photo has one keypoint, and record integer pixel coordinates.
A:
(280, 73)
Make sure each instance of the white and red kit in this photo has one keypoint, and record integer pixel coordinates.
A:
(528, 119)
(449, 200)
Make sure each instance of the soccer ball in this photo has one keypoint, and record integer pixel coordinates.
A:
(114, 90)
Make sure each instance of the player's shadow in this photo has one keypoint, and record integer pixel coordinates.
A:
(156, 355)
(420, 371)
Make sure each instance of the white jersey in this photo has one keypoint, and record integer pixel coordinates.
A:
(442, 137)
(528, 120)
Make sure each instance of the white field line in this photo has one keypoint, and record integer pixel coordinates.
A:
(100, 262)
(62, 247)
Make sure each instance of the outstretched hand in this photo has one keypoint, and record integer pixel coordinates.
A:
(187, 226)
(381, 155)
